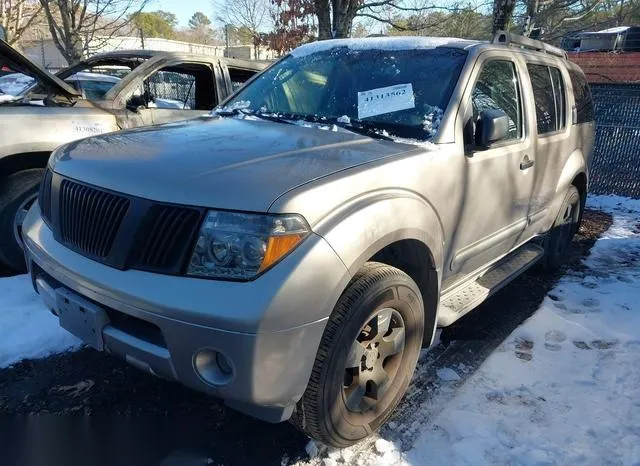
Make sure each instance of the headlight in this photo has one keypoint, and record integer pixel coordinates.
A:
(239, 246)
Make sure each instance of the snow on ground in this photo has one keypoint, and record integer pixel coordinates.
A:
(564, 387)
(27, 328)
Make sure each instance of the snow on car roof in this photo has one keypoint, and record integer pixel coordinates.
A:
(383, 43)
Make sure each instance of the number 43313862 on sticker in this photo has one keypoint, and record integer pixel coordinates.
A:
(385, 100)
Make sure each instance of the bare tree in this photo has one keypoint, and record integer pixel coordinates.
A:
(335, 17)
(17, 16)
(252, 15)
(502, 14)
(553, 19)
(74, 24)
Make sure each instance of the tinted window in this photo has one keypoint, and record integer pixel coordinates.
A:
(95, 90)
(401, 92)
(498, 88)
(559, 95)
(172, 89)
(582, 96)
(182, 87)
(239, 76)
(544, 99)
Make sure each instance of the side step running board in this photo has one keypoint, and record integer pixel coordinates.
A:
(463, 298)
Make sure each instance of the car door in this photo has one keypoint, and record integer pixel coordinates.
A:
(174, 92)
(553, 141)
(498, 179)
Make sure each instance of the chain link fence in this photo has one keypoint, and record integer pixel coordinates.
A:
(616, 163)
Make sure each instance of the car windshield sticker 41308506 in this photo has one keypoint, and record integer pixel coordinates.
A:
(385, 100)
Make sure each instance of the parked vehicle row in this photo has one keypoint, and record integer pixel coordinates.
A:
(107, 92)
(293, 251)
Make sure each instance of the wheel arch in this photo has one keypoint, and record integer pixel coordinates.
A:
(14, 163)
(415, 259)
(399, 229)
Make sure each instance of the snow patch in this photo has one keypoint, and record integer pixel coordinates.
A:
(432, 121)
(447, 374)
(311, 449)
(383, 446)
(27, 329)
(579, 353)
(382, 43)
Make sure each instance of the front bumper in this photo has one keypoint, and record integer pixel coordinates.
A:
(269, 329)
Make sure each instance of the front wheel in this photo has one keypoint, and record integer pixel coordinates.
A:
(558, 241)
(18, 192)
(366, 357)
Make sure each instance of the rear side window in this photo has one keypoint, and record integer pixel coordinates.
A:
(497, 88)
(549, 97)
(239, 76)
(582, 96)
(559, 95)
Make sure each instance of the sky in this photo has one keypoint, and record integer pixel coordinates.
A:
(183, 9)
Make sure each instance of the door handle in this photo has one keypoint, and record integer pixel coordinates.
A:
(526, 163)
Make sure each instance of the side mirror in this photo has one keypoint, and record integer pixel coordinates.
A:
(492, 126)
(3, 34)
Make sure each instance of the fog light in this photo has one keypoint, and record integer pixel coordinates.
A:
(213, 367)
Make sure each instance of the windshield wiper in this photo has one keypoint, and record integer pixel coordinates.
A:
(364, 128)
(262, 116)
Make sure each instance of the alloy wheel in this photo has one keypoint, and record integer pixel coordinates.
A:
(373, 360)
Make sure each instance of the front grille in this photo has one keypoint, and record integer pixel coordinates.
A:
(166, 234)
(44, 198)
(90, 218)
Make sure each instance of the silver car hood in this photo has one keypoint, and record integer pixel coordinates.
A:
(215, 162)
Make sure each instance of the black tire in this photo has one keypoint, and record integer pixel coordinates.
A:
(557, 243)
(16, 191)
(377, 291)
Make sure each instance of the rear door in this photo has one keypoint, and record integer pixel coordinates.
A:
(553, 142)
(498, 180)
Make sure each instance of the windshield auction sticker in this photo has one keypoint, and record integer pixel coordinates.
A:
(385, 100)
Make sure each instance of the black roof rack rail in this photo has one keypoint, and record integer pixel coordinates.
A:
(506, 38)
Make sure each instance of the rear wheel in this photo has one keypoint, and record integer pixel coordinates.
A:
(18, 192)
(366, 358)
(558, 241)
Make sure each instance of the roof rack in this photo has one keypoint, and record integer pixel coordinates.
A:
(506, 38)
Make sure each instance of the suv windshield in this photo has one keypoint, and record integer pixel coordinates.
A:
(400, 93)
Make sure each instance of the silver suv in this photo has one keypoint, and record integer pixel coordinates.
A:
(293, 251)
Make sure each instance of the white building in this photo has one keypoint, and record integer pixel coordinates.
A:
(45, 53)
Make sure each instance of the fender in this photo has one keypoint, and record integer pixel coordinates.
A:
(361, 227)
(574, 166)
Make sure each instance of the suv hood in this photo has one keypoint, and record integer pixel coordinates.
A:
(216, 162)
(13, 59)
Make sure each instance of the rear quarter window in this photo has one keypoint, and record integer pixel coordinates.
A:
(549, 97)
(582, 97)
